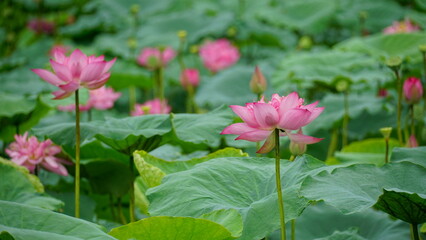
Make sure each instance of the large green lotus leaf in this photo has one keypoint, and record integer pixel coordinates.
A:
(6, 236)
(405, 45)
(126, 74)
(366, 151)
(310, 16)
(19, 114)
(325, 221)
(325, 67)
(40, 224)
(179, 228)
(244, 184)
(413, 155)
(358, 187)
(230, 218)
(191, 130)
(18, 185)
(153, 169)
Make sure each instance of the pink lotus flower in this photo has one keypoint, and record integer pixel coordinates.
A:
(190, 76)
(30, 153)
(405, 26)
(154, 58)
(412, 142)
(102, 98)
(40, 26)
(413, 90)
(59, 48)
(151, 107)
(75, 71)
(219, 55)
(382, 92)
(286, 113)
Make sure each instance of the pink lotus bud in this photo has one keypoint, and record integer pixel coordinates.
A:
(40, 26)
(383, 92)
(29, 152)
(190, 76)
(297, 148)
(219, 55)
(258, 82)
(154, 58)
(412, 142)
(413, 90)
(151, 107)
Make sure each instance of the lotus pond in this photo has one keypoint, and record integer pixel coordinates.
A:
(213, 120)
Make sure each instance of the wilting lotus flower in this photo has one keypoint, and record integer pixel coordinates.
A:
(154, 58)
(151, 107)
(412, 142)
(102, 98)
(30, 153)
(405, 26)
(41, 26)
(219, 55)
(413, 90)
(190, 76)
(75, 71)
(286, 113)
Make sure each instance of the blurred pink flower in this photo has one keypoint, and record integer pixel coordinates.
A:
(382, 92)
(30, 153)
(151, 107)
(59, 48)
(190, 76)
(286, 113)
(102, 98)
(412, 142)
(76, 71)
(40, 26)
(219, 55)
(405, 26)
(154, 58)
(413, 90)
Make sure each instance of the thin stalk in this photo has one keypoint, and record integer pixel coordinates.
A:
(293, 229)
(89, 115)
(387, 150)
(414, 231)
(278, 182)
(132, 193)
(120, 212)
(77, 155)
(399, 107)
(111, 207)
(333, 143)
(424, 82)
(412, 119)
(132, 98)
(159, 84)
(345, 119)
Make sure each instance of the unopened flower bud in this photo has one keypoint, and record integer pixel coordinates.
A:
(132, 43)
(190, 77)
(182, 34)
(413, 90)
(297, 148)
(412, 142)
(258, 82)
(386, 132)
(231, 32)
(134, 9)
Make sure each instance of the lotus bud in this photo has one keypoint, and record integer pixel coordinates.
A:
(182, 34)
(386, 132)
(258, 82)
(190, 77)
(412, 142)
(413, 90)
(134, 9)
(194, 49)
(297, 148)
(305, 42)
(231, 32)
(132, 43)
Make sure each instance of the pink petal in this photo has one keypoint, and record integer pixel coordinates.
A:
(238, 129)
(254, 136)
(311, 106)
(48, 76)
(92, 72)
(245, 114)
(61, 94)
(268, 145)
(70, 87)
(266, 115)
(59, 55)
(294, 119)
(108, 65)
(62, 71)
(98, 83)
(289, 102)
(300, 138)
(314, 114)
(77, 57)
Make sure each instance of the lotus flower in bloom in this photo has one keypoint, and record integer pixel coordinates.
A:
(190, 76)
(154, 58)
(76, 71)
(58, 48)
(405, 26)
(155, 106)
(219, 55)
(286, 113)
(413, 90)
(29, 152)
(102, 98)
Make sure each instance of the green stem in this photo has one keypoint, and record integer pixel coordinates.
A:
(424, 82)
(293, 229)
(333, 143)
(111, 206)
(414, 231)
(399, 107)
(278, 182)
(159, 84)
(132, 193)
(345, 119)
(132, 98)
(387, 150)
(292, 157)
(89, 115)
(77, 155)
(120, 212)
(412, 119)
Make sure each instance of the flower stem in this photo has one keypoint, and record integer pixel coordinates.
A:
(412, 120)
(399, 106)
(77, 155)
(345, 119)
(159, 82)
(293, 229)
(333, 143)
(132, 193)
(278, 182)
(132, 98)
(387, 150)
(424, 82)
(414, 231)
